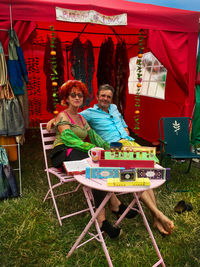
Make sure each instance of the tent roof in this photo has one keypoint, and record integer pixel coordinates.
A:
(145, 16)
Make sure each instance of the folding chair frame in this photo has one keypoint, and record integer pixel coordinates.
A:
(47, 143)
(185, 153)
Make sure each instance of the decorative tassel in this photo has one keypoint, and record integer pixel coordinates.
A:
(89, 55)
(121, 75)
(77, 60)
(105, 70)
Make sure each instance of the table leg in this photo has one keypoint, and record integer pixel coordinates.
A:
(92, 220)
(129, 207)
(87, 192)
(161, 261)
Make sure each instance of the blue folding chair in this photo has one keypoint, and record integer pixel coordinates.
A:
(175, 139)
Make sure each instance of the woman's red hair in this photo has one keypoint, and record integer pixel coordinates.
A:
(66, 88)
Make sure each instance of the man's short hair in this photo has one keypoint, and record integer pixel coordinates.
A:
(105, 87)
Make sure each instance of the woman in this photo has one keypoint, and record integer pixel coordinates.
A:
(74, 138)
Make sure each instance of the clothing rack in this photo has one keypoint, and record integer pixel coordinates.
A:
(18, 168)
(117, 35)
(94, 33)
(65, 42)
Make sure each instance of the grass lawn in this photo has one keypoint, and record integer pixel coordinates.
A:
(30, 234)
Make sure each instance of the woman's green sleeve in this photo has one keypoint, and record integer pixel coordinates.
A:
(70, 139)
(97, 140)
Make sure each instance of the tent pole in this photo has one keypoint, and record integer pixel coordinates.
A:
(10, 16)
(67, 50)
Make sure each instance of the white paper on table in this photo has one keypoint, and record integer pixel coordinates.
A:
(76, 166)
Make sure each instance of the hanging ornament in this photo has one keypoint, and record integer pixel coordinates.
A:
(55, 112)
(54, 73)
(139, 78)
(54, 83)
(53, 53)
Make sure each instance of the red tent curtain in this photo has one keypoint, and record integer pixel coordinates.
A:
(170, 53)
(176, 51)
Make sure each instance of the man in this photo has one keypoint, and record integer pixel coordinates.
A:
(105, 118)
(108, 122)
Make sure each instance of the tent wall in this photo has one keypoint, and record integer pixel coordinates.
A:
(172, 36)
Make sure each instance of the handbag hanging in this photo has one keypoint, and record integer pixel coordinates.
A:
(8, 184)
(11, 118)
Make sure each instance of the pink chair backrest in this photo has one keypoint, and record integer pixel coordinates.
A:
(47, 140)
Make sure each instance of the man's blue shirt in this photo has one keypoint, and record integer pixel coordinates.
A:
(110, 126)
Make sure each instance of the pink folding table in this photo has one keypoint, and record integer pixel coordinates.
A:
(101, 184)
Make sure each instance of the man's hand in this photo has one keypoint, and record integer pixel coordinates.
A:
(50, 124)
(126, 129)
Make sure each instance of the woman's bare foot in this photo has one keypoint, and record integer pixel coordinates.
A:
(157, 224)
(163, 224)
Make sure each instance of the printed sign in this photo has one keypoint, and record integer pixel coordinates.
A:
(90, 16)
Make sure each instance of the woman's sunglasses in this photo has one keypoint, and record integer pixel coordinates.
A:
(73, 95)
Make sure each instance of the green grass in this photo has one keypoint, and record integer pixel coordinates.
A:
(30, 234)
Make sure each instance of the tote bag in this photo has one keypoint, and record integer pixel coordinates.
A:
(11, 117)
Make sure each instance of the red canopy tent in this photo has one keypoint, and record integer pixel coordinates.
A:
(172, 38)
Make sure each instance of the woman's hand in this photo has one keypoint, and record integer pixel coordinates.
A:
(50, 124)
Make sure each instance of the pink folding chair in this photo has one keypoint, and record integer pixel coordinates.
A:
(47, 143)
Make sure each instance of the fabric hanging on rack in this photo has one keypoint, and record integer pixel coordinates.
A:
(77, 60)
(47, 67)
(34, 88)
(23, 99)
(82, 65)
(20, 55)
(14, 70)
(24, 104)
(121, 75)
(90, 69)
(105, 70)
(3, 67)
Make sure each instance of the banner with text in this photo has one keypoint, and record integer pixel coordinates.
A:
(90, 16)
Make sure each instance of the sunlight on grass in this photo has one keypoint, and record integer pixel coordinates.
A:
(31, 236)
